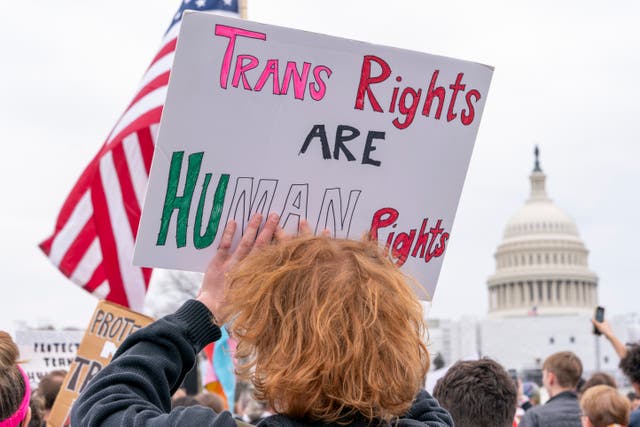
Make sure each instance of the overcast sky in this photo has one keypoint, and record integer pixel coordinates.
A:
(565, 78)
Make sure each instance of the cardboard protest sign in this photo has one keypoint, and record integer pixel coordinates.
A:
(110, 325)
(352, 136)
(46, 351)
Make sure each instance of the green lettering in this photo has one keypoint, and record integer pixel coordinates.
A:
(183, 203)
(202, 241)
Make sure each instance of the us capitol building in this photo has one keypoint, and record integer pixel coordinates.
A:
(541, 264)
(542, 296)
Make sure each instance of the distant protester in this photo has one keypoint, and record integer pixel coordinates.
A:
(598, 378)
(634, 400)
(531, 392)
(211, 400)
(329, 332)
(37, 411)
(256, 411)
(478, 393)
(184, 401)
(248, 408)
(15, 391)
(629, 363)
(561, 373)
(603, 406)
(48, 389)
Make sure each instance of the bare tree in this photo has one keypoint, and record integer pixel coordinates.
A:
(169, 289)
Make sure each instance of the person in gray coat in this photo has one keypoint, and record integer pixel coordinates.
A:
(561, 373)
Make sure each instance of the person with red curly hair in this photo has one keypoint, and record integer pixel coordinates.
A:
(330, 332)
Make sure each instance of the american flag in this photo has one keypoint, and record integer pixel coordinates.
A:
(96, 228)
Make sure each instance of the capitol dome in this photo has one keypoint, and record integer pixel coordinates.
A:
(541, 264)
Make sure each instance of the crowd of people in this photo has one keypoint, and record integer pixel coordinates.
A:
(482, 393)
(329, 332)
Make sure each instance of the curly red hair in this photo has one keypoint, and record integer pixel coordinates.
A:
(328, 330)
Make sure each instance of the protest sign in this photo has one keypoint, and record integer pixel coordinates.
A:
(45, 351)
(110, 325)
(353, 137)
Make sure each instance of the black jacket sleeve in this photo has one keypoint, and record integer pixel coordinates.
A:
(427, 411)
(135, 388)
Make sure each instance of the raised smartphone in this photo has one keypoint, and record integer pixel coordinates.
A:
(599, 317)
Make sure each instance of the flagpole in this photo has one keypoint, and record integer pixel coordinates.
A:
(242, 5)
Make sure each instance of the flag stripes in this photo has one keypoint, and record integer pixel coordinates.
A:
(96, 229)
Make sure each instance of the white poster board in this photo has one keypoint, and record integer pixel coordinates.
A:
(46, 351)
(349, 135)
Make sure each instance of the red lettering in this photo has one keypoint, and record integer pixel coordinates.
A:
(366, 80)
(428, 245)
(467, 119)
(423, 238)
(394, 96)
(382, 218)
(456, 87)
(441, 246)
(435, 231)
(434, 92)
(409, 111)
(402, 246)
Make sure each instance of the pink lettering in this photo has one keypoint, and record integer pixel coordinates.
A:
(242, 68)
(299, 79)
(318, 89)
(270, 70)
(232, 33)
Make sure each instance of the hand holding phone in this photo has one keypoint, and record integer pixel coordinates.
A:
(599, 317)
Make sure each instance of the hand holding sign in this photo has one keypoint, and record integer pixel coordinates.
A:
(213, 285)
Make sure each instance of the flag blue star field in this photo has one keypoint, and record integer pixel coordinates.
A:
(95, 231)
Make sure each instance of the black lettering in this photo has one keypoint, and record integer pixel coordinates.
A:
(128, 322)
(317, 131)
(97, 319)
(93, 371)
(104, 327)
(341, 138)
(75, 374)
(369, 147)
(115, 328)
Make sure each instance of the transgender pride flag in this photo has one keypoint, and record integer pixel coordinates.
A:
(220, 375)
